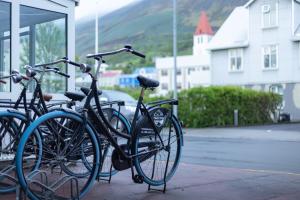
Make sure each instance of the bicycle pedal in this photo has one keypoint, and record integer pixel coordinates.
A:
(138, 179)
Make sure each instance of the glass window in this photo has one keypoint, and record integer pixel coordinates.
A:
(191, 70)
(206, 68)
(270, 14)
(178, 72)
(42, 40)
(164, 86)
(270, 56)
(277, 89)
(5, 49)
(235, 59)
(179, 86)
(164, 72)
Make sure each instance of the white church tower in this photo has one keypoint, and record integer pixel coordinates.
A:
(202, 35)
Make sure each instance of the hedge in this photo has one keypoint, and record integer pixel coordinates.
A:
(214, 106)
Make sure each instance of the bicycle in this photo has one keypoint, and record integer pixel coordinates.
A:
(155, 135)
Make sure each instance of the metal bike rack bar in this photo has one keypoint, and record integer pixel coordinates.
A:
(49, 190)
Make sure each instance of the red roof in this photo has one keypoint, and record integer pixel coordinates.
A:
(203, 27)
(111, 74)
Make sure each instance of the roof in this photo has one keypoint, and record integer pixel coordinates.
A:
(252, 1)
(111, 73)
(203, 27)
(234, 31)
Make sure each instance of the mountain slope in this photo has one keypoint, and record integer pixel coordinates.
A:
(147, 25)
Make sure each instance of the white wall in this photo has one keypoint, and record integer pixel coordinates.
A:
(288, 52)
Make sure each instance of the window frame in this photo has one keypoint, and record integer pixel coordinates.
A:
(236, 51)
(10, 45)
(263, 14)
(165, 86)
(270, 68)
(66, 43)
(164, 73)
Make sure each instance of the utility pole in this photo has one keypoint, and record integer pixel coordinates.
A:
(175, 95)
(96, 34)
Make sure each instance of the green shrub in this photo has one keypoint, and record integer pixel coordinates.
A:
(214, 106)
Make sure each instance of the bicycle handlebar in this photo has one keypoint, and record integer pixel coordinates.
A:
(31, 72)
(63, 60)
(15, 76)
(83, 67)
(127, 48)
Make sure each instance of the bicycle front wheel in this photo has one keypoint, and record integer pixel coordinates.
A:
(157, 159)
(68, 143)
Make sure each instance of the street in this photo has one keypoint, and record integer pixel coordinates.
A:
(272, 148)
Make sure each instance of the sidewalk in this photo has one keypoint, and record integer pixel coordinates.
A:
(193, 182)
(207, 183)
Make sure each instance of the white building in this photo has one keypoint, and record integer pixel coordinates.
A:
(33, 32)
(258, 47)
(109, 78)
(193, 70)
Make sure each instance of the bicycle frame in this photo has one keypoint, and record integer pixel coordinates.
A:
(105, 126)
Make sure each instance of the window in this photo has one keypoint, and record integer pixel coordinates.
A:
(235, 60)
(164, 86)
(178, 72)
(270, 14)
(270, 57)
(277, 89)
(43, 39)
(179, 86)
(164, 72)
(191, 70)
(5, 38)
(205, 68)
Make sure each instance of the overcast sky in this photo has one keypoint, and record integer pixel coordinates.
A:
(89, 7)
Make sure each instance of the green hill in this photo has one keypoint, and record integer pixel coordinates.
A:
(147, 25)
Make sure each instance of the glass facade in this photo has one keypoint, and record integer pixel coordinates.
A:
(5, 43)
(43, 39)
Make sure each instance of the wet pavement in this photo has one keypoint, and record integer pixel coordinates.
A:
(250, 163)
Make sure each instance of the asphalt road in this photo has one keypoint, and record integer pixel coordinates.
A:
(271, 148)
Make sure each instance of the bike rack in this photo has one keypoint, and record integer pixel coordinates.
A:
(4, 173)
(48, 190)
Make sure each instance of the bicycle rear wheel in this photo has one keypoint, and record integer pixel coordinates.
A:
(67, 145)
(158, 160)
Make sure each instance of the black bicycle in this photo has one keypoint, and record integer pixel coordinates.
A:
(153, 146)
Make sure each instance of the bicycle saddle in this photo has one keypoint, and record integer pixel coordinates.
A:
(147, 82)
(74, 96)
(47, 97)
(87, 90)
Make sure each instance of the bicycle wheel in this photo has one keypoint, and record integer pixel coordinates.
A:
(121, 124)
(158, 162)
(12, 125)
(66, 140)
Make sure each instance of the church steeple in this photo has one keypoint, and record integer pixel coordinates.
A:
(204, 27)
(202, 35)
